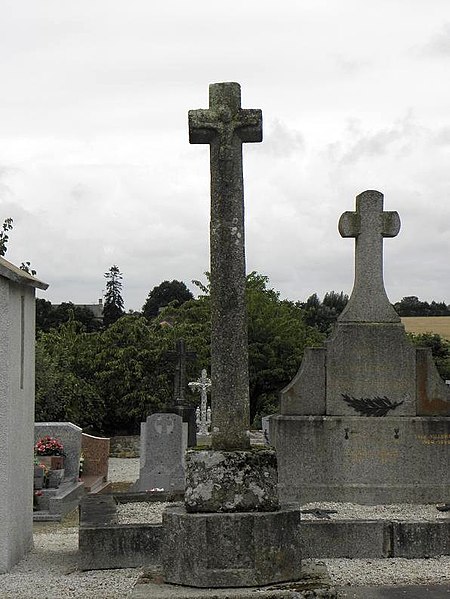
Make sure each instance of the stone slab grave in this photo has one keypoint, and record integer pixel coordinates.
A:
(366, 419)
(95, 453)
(54, 504)
(17, 358)
(230, 531)
(163, 444)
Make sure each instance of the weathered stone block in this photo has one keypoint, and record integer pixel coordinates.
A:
(362, 460)
(235, 481)
(232, 549)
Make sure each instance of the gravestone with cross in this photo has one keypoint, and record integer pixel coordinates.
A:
(355, 421)
(369, 355)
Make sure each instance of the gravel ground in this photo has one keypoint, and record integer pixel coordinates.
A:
(50, 570)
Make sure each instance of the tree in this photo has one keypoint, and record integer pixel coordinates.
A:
(412, 306)
(440, 350)
(323, 315)
(51, 317)
(277, 337)
(7, 226)
(114, 306)
(164, 294)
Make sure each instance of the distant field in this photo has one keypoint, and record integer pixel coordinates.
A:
(428, 324)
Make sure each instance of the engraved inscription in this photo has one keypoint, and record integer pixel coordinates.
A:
(435, 439)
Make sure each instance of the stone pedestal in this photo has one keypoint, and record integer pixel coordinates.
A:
(231, 549)
(231, 481)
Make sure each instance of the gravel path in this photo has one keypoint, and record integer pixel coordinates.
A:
(50, 570)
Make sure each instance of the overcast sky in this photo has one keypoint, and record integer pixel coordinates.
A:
(96, 167)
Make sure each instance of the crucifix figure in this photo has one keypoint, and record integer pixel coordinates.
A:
(369, 225)
(202, 385)
(181, 355)
(225, 126)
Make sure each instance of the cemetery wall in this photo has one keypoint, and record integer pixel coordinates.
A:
(17, 311)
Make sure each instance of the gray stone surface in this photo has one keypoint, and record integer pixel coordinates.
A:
(362, 459)
(351, 426)
(162, 454)
(119, 546)
(237, 481)
(421, 539)
(70, 435)
(306, 393)
(369, 225)
(231, 550)
(314, 582)
(17, 345)
(225, 126)
(369, 361)
(354, 539)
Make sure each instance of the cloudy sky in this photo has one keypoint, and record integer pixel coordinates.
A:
(96, 167)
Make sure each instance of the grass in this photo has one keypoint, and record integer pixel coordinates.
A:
(428, 324)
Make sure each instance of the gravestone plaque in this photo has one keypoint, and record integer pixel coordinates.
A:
(162, 454)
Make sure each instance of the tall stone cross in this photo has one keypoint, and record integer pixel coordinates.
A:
(225, 126)
(369, 225)
(181, 355)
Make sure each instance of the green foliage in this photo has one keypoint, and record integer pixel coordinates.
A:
(65, 388)
(132, 374)
(51, 317)
(412, 306)
(114, 306)
(440, 350)
(277, 337)
(166, 293)
(7, 226)
(322, 315)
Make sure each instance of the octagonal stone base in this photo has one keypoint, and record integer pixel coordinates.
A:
(231, 481)
(231, 549)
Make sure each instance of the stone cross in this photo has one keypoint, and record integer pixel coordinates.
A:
(202, 385)
(225, 126)
(181, 355)
(369, 225)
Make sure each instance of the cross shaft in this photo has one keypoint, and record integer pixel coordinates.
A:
(225, 126)
(369, 225)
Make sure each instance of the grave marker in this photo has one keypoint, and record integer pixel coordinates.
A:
(225, 126)
(162, 460)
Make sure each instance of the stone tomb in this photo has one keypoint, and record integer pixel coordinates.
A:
(163, 444)
(367, 418)
(55, 503)
(17, 334)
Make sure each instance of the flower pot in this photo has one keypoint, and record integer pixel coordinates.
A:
(53, 462)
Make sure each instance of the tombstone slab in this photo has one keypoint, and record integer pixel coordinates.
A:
(162, 454)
